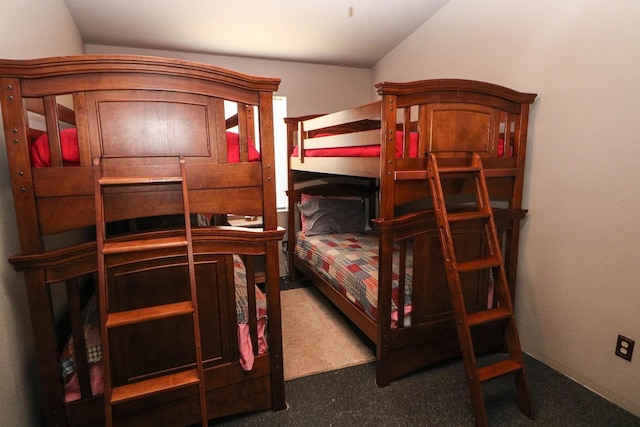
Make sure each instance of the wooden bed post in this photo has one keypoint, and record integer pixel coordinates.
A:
(387, 155)
(270, 219)
(17, 144)
(46, 346)
(292, 125)
(383, 377)
(275, 327)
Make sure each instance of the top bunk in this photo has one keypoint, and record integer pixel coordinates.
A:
(388, 140)
(134, 111)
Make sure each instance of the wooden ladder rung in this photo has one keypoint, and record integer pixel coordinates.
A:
(478, 264)
(468, 216)
(147, 314)
(464, 169)
(488, 316)
(143, 245)
(138, 180)
(153, 386)
(495, 370)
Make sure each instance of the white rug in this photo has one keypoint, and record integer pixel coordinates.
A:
(315, 338)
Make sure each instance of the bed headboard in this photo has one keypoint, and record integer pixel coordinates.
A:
(123, 106)
(453, 117)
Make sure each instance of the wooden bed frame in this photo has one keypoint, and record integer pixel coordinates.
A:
(451, 118)
(157, 109)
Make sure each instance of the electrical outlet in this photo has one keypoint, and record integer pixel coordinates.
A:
(624, 347)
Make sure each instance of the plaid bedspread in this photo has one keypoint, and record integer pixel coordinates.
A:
(350, 263)
(242, 301)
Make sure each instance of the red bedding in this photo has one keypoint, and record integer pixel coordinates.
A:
(71, 156)
(374, 150)
(364, 150)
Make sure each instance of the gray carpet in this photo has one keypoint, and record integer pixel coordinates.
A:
(436, 396)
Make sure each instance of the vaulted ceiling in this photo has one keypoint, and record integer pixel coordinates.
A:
(354, 33)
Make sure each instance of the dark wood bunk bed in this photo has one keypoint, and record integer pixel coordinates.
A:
(61, 113)
(450, 118)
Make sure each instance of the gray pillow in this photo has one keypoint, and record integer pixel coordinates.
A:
(329, 215)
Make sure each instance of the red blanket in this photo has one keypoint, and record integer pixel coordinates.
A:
(71, 156)
(364, 150)
(374, 150)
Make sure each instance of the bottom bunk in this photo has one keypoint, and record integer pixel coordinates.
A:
(240, 325)
(364, 273)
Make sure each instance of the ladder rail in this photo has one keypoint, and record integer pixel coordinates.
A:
(453, 279)
(103, 294)
(202, 395)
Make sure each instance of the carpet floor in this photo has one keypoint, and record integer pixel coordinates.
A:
(435, 396)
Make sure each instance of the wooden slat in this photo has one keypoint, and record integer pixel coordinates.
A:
(355, 139)
(53, 130)
(467, 216)
(139, 180)
(479, 264)
(368, 111)
(487, 316)
(153, 386)
(143, 245)
(458, 170)
(243, 128)
(410, 175)
(147, 314)
(77, 332)
(499, 369)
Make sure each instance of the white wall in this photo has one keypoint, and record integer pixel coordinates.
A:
(579, 269)
(31, 29)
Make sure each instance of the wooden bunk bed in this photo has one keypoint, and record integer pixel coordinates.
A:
(363, 273)
(61, 113)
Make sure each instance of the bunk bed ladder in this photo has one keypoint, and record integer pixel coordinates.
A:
(180, 378)
(502, 310)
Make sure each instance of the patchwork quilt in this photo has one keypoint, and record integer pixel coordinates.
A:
(242, 302)
(349, 261)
